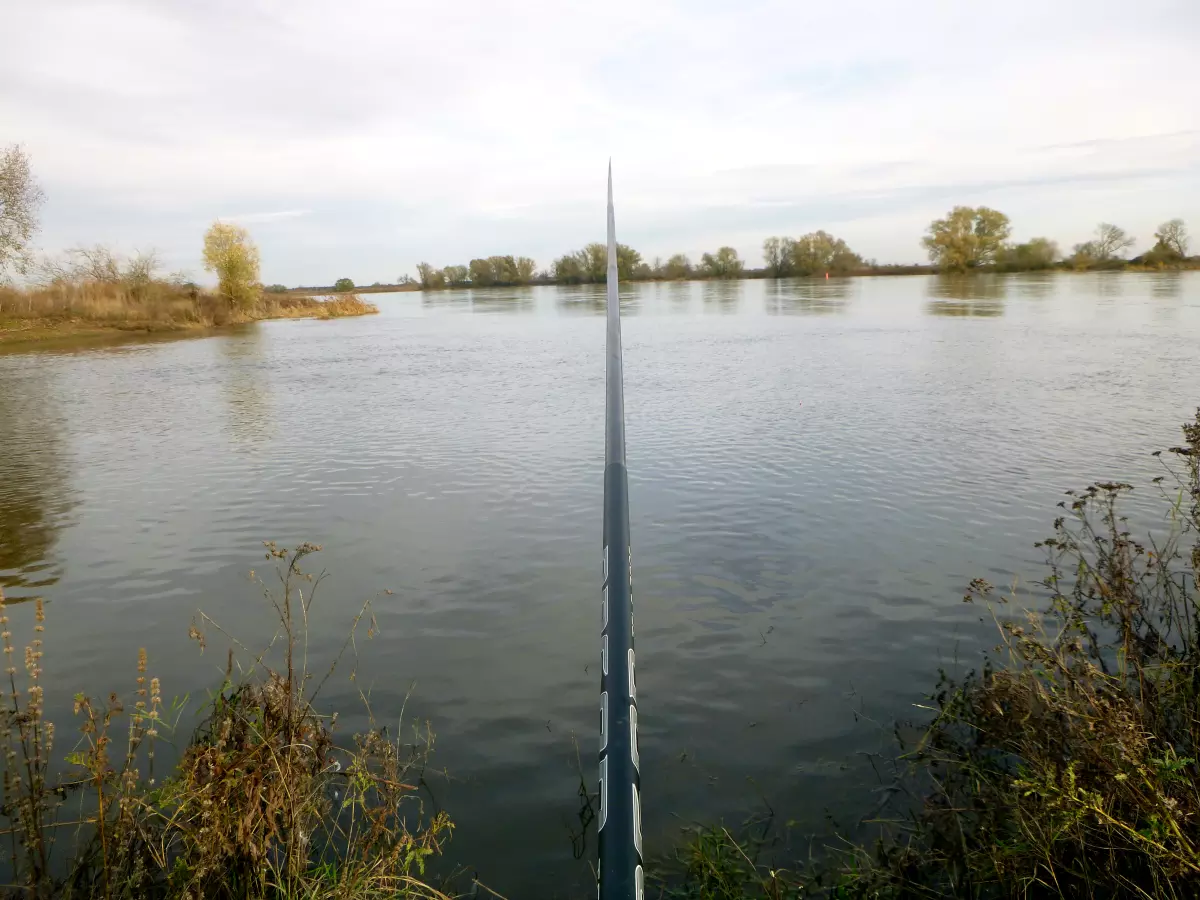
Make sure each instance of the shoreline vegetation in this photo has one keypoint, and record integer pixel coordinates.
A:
(264, 800)
(1064, 767)
(99, 310)
(967, 240)
(93, 292)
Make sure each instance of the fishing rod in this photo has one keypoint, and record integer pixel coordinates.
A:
(621, 876)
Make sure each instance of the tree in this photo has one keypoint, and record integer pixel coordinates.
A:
(504, 269)
(724, 264)
(481, 273)
(1084, 255)
(1173, 236)
(568, 269)
(628, 261)
(678, 267)
(1038, 253)
(230, 253)
(590, 265)
(778, 253)
(593, 259)
(343, 284)
(20, 199)
(1110, 241)
(967, 238)
(526, 268)
(430, 278)
(456, 276)
(821, 252)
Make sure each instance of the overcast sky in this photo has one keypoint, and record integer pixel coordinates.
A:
(358, 138)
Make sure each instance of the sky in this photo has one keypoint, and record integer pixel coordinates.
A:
(358, 138)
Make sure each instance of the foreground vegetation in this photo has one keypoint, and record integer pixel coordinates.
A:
(1068, 765)
(264, 802)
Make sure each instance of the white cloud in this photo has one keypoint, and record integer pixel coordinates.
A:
(470, 127)
(251, 218)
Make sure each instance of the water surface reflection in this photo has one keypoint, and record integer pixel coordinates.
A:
(34, 480)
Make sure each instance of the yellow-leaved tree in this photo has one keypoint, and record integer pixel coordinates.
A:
(229, 251)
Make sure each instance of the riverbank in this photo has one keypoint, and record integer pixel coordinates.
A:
(98, 310)
(1064, 767)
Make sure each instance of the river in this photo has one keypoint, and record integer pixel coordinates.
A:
(817, 469)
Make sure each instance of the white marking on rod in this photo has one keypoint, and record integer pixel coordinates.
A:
(603, 721)
(603, 793)
(633, 741)
(637, 822)
(632, 683)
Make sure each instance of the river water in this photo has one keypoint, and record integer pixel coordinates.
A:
(817, 469)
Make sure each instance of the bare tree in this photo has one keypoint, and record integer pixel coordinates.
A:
(20, 199)
(1110, 241)
(1173, 236)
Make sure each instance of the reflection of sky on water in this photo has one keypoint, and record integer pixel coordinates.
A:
(814, 477)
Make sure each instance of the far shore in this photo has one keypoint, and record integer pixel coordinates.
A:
(1191, 264)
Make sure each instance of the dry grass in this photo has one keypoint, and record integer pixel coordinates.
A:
(92, 289)
(264, 802)
(276, 307)
(154, 304)
(68, 308)
(1068, 766)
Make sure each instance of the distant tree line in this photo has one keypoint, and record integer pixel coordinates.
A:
(970, 238)
(495, 271)
(966, 239)
(586, 266)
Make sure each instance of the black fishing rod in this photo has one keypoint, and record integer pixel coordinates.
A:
(621, 875)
